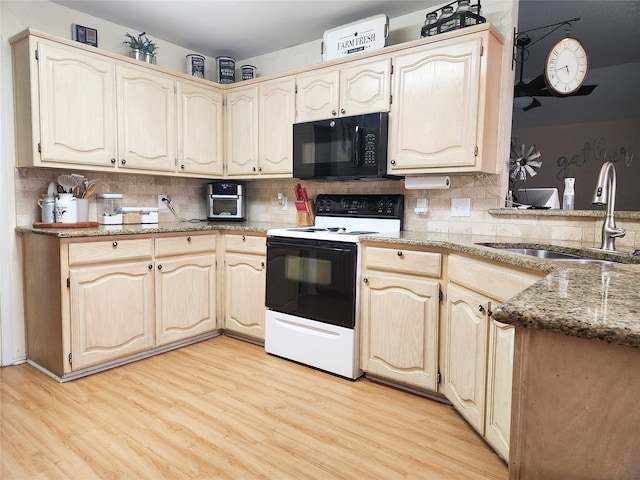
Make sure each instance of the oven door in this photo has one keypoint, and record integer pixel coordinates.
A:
(313, 279)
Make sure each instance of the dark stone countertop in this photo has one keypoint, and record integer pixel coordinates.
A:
(595, 301)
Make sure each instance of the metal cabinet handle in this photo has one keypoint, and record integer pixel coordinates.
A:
(343, 111)
(262, 264)
(159, 267)
(480, 308)
(259, 169)
(489, 313)
(393, 162)
(254, 169)
(115, 244)
(243, 238)
(334, 113)
(188, 239)
(150, 266)
(400, 253)
(365, 280)
(113, 160)
(123, 161)
(181, 167)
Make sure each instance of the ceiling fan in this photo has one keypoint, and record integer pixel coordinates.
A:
(564, 72)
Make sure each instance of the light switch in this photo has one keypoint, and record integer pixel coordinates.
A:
(460, 207)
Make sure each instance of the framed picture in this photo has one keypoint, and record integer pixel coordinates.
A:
(83, 34)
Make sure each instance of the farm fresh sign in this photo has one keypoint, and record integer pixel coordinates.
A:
(368, 34)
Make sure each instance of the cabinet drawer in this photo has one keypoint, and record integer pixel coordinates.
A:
(403, 261)
(110, 251)
(246, 244)
(497, 281)
(184, 244)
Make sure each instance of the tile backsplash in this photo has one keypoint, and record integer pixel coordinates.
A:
(188, 198)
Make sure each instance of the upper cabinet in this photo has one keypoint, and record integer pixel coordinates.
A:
(74, 122)
(200, 113)
(96, 112)
(351, 89)
(259, 130)
(445, 113)
(146, 119)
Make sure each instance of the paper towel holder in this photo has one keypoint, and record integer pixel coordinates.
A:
(427, 182)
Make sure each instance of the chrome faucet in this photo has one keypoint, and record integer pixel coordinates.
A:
(605, 194)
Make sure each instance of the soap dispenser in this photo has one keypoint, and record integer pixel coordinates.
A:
(568, 198)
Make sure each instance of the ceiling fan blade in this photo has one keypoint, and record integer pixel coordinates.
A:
(534, 104)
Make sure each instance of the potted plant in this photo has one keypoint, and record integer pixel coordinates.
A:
(141, 47)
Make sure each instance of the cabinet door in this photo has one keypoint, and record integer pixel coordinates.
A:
(242, 132)
(466, 353)
(365, 87)
(146, 120)
(500, 376)
(245, 278)
(318, 95)
(112, 312)
(277, 114)
(435, 109)
(199, 130)
(77, 106)
(186, 297)
(400, 329)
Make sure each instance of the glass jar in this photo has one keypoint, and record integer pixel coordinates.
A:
(463, 7)
(475, 8)
(447, 18)
(429, 28)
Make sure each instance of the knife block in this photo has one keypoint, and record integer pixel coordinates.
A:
(304, 213)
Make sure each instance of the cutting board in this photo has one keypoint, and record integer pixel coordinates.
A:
(65, 225)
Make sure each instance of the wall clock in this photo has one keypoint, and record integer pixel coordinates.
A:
(566, 67)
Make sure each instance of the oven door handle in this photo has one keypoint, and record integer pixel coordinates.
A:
(225, 197)
(318, 246)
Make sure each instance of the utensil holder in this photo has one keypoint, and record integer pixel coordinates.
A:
(304, 213)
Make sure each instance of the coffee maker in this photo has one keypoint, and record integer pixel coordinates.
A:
(225, 201)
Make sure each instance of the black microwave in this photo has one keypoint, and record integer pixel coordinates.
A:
(346, 148)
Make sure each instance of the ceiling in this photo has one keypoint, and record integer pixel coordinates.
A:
(239, 28)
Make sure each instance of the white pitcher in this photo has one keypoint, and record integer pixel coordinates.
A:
(66, 208)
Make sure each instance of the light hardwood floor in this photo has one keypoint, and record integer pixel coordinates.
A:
(225, 409)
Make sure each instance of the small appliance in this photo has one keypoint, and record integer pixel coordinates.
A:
(345, 148)
(225, 201)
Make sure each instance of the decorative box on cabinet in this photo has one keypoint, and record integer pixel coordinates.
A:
(399, 306)
(445, 113)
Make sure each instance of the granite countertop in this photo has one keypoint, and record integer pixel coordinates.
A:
(595, 301)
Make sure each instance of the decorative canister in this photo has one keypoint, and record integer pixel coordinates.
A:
(66, 208)
(195, 65)
(47, 204)
(248, 72)
(226, 67)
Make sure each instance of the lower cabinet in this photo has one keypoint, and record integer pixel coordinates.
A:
(399, 306)
(89, 302)
(478, 351)
(244, 286)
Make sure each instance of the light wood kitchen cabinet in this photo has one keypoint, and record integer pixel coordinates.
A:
(200, 130)
(146, 119)
(478, 351)
(244, 286)
(185, 286)
(259, 131)
(355, 88)
(444, 117)
(93, 303)
(64, 106)
(399, 307)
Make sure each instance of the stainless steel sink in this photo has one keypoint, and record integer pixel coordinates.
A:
(550, 255)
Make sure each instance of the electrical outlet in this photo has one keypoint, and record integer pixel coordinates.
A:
(162, 204)
(460, 207)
